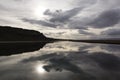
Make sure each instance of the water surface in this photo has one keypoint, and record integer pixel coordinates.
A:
(62, 61)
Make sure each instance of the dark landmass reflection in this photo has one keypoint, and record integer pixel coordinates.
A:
(7, 49)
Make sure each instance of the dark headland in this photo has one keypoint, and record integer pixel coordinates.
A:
(10, 34)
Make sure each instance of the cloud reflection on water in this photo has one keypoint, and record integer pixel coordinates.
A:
(64, 60)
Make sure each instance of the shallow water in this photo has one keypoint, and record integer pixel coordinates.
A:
(63, 61)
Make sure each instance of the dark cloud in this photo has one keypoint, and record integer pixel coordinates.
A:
(65, 16)
(78, 24)
(85, 32)
(106, 19)
(40, 22)
(112, 32)
(58, 18)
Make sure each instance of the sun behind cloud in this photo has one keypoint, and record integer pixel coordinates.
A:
(39, 69)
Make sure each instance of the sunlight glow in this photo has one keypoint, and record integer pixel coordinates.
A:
(38, 12)
(39, 69)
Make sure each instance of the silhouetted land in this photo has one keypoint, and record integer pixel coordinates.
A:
(8, 34)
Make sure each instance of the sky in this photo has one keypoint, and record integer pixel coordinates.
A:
(71, 19)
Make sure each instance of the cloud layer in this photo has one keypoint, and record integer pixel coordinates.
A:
(69, 14)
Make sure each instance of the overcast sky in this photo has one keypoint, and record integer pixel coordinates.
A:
(76, 19)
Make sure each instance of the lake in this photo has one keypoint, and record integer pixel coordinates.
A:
(60, 61)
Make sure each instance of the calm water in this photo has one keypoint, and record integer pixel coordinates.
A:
(64, 61)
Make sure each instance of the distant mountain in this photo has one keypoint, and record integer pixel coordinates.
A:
(8, 33)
